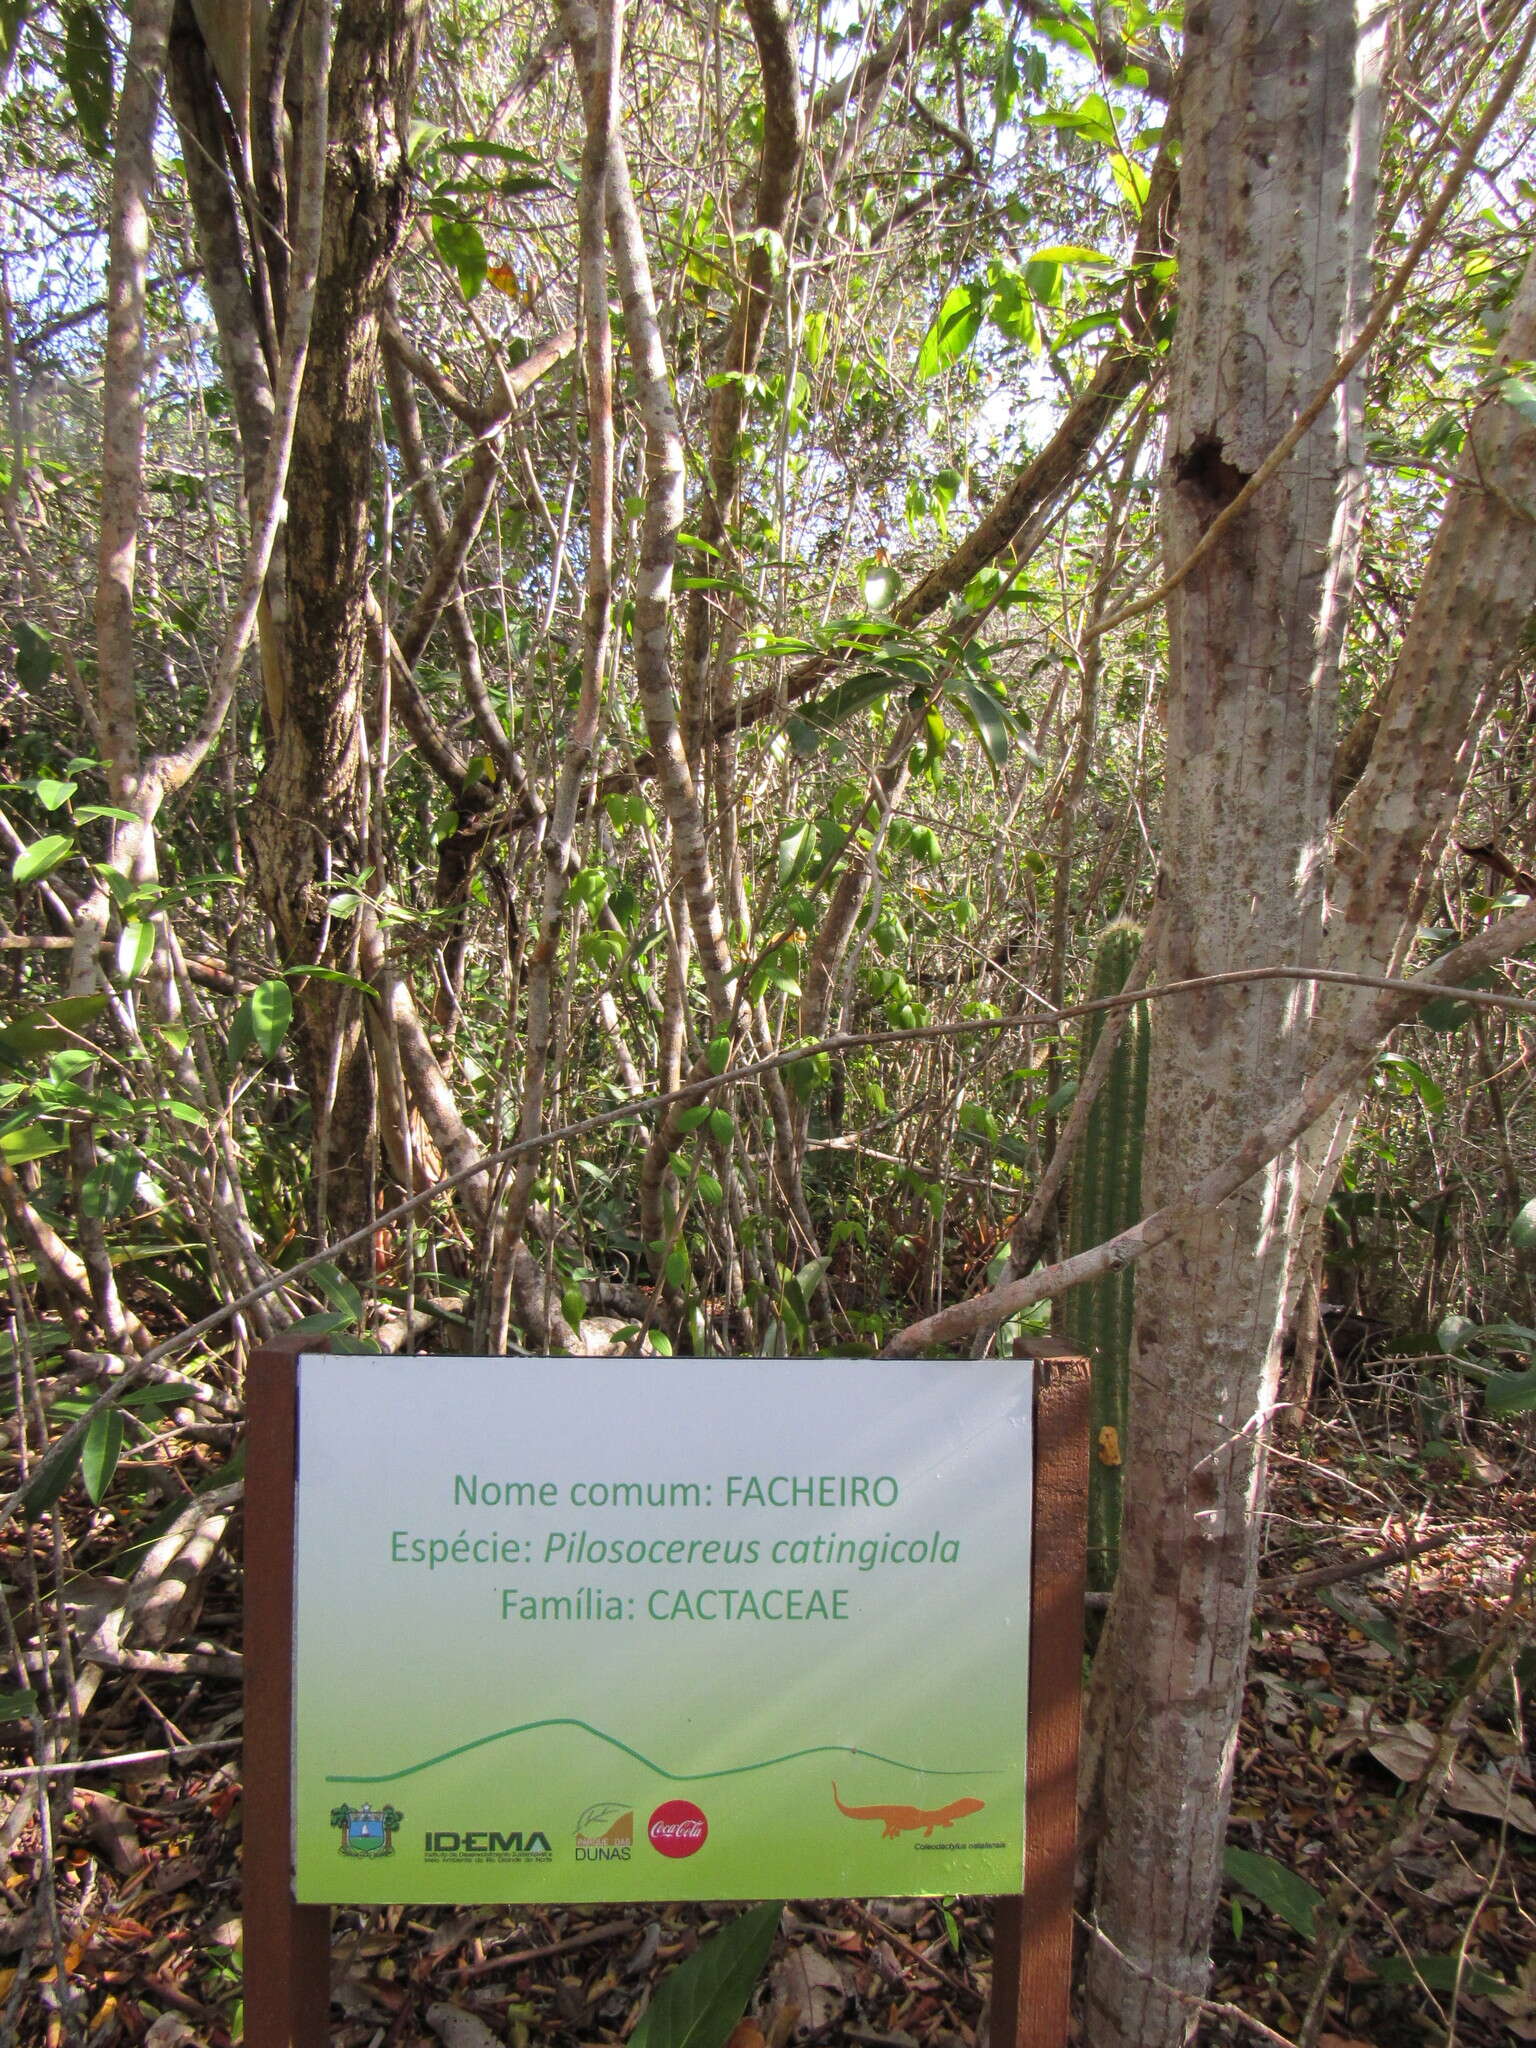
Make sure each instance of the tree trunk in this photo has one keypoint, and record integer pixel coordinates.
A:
(1280, 115)
(308, 826)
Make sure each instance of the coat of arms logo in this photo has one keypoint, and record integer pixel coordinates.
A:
(367, 1830)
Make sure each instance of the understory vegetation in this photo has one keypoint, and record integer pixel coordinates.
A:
(586, 606)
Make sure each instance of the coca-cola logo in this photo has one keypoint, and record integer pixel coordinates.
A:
(678, 1828)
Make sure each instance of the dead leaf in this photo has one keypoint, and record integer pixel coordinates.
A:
(110, 1826)
(1406, 1752)
(170, 2030)
(1518, 2003)
(456, 2028)
(1456, 1886)
(746, 2034)
(804, 1977)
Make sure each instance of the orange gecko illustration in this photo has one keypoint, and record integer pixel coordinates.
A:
(900, 1820)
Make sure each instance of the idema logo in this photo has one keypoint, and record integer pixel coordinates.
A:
(486, 1845)
(678, 1828)
(606, 1833)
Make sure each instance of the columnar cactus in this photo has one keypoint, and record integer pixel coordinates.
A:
(1106, 1198)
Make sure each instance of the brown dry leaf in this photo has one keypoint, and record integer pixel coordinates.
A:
(804, 1977)
(1518, 2004)
(456, 2028)
(111, 1827)
(1406, 1751)
(746, 2034)
(170, 2030)
(1456, 1886)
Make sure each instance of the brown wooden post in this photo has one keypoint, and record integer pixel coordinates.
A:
(287, 1947)
(1032, 1935)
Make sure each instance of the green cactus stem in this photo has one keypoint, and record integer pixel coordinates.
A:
(1105, 1199)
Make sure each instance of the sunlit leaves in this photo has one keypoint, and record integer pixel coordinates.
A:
(462, 247)
(100, 1452)
(955, 327)
(38, 860)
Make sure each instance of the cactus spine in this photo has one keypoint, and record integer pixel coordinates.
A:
(1106, 1198)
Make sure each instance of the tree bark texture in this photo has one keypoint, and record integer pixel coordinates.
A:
(308, 823)
(1280, 118)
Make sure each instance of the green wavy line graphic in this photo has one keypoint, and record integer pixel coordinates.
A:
(677, 1777)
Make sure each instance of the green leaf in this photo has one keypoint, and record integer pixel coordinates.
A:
(1411, 1079)
(1519, 392)
(573, 1306)
(135, 948)
(31, 1141)
(1130, 179)
(822, 713)
(41, 858)
(34, 657)
(690, 1119)
(321, 1325)
(271, 1010)
(1510, 1393)
(363, 988)
(1440, 1973)
(100, 1452)
(49, 1480)
(796, 845)
(718, 1053)
(589, 887)
(1444, 1013)
(51, 793)
(1363, 1614)
(710, 1190)
(338, 1290)
(661, 1343)
(699, 2003)
(462, 247)
(954, 328)
(880, 586)
(1042, 280)
(17, 1704)
(603, 949)
(36, 1032)
(1273, 1885)
(1522, 1232)
(88, 73)
(108, 1189)
(721, 1128)
(1455, 1334)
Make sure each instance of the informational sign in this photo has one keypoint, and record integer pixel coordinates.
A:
(578, 1629)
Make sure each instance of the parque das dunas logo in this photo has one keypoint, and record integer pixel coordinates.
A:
(367, 1830)
(678, 1828)
(605, 1833)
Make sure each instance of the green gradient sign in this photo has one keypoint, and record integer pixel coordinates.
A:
(573, 1629)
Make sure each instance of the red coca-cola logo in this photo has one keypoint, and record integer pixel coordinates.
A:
(678, 1828)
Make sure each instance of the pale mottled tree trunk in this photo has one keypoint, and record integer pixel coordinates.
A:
(1280, 116)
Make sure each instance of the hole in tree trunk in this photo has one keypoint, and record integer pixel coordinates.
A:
(1208, 479)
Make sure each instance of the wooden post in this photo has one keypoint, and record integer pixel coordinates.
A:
(287, 1947)
(1032, 1935)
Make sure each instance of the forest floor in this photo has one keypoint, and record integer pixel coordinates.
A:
(1350, 1684)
